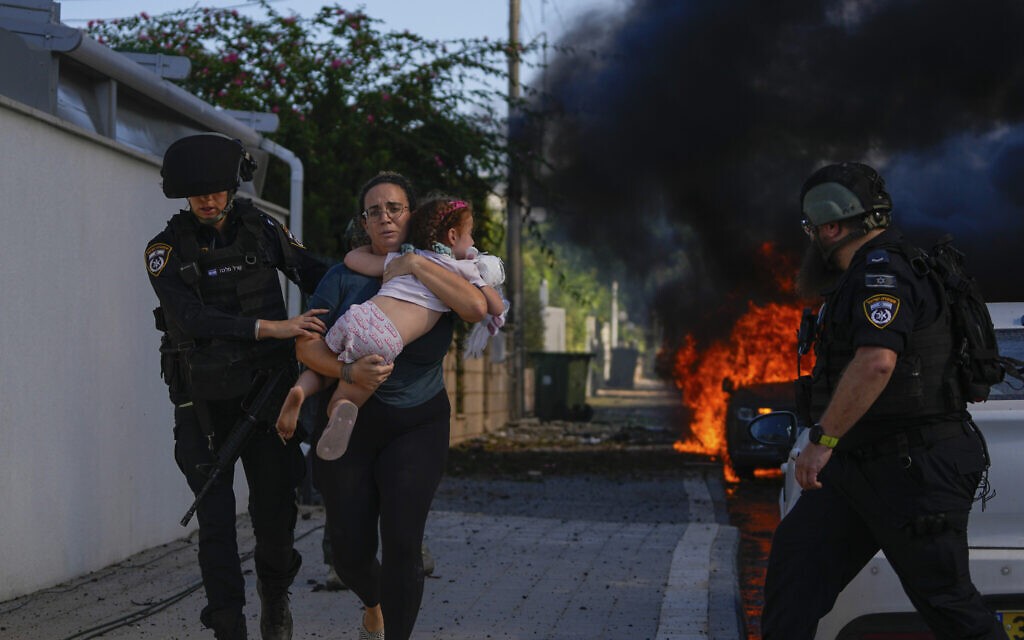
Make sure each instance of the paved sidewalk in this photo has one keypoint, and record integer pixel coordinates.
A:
(497, 577)
(533, 555)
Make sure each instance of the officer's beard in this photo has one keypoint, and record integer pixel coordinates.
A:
(816, 274)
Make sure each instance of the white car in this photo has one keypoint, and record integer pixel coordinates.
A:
(873, 606)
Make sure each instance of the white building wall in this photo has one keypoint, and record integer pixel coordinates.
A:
(87, 475)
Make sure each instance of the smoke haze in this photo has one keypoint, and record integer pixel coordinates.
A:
(681, 131)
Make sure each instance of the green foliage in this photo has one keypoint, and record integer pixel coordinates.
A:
(573, 284)
(351, 99)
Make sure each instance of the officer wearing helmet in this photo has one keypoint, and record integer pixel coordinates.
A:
(214, 269)
(894, 460)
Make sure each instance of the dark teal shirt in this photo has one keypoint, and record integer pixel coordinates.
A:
(418, 374)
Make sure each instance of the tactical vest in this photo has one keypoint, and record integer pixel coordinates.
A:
(239, 279)
(919, 385)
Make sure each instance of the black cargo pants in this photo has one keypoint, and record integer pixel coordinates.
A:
(914, 508)
(273, 470)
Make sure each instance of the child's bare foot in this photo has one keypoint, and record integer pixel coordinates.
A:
(289, 416)
(334, 440)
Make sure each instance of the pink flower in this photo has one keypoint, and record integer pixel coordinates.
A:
(282, 82)
(385, 96)
(335, 63)
(275, 109)
(231, 57)
(144, 15)
(438, 161)
(91, 22)
(222, 93)
(370, 118)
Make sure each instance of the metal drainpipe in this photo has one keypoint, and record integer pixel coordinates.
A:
(294, 207)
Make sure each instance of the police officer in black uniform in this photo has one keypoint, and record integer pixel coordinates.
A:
(894, 461)
(215, 271)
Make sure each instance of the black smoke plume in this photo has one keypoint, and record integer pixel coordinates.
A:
(680, 131)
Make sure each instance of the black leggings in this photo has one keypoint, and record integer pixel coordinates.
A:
(389, 473)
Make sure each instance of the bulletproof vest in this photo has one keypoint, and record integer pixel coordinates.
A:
(239, 279)
(919, 385)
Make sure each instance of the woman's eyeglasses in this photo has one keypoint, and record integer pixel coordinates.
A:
(394, 211)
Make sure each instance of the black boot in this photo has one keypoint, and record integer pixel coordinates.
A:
(227, 624)
(275, 616)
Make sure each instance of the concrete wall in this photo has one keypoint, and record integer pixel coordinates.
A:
(87, 475)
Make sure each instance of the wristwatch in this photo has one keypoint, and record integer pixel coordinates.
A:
(818, 436)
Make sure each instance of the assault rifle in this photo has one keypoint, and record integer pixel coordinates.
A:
(252, 407)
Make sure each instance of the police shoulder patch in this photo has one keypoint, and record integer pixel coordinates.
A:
(156, 257)
(881, 309)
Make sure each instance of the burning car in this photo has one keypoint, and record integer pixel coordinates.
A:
(745, 404)
(874, 605)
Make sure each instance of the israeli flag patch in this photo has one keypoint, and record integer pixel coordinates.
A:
(879, 281)
(881, 309)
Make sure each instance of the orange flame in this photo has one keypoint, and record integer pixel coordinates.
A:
(761, 348)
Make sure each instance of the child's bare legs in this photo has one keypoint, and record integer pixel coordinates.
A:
(342, 410)
(309, 382)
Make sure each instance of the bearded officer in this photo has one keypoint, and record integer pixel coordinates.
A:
(894, 460)
(214, 269)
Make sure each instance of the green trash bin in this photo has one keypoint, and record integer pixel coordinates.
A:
(560, 385)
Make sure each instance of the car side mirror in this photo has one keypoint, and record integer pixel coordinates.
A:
(775, 428)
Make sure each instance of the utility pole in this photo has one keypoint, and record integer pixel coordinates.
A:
(514, 227)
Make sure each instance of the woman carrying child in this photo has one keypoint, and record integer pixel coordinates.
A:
(402, 311)
(397, 451)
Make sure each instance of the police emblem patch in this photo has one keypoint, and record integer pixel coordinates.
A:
(881, 309)
(156, 257)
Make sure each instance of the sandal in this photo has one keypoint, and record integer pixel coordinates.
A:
(334, 440)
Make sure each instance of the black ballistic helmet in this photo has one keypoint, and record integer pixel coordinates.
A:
(205, 163)
(847, 190)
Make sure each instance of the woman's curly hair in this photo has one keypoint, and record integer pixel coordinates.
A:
(431, 220)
